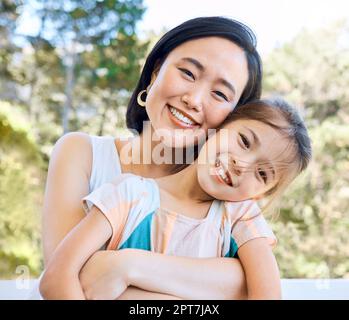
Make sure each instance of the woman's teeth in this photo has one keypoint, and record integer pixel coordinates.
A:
(180, 116)
(222, 173)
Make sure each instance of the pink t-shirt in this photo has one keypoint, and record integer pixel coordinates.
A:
(132, 206)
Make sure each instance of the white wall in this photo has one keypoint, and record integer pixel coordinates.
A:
(303, 289)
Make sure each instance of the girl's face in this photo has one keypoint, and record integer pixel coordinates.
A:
(240, 161)
(197, 86)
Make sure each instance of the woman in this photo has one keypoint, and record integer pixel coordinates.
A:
(192, 79)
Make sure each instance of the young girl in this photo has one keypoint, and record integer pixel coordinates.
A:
(206, 210)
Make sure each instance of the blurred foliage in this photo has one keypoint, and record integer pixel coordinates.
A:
(311, 71)
(21, 179)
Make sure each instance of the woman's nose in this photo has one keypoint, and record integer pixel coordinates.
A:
(194, 100)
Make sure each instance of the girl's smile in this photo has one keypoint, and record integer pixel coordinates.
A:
(222, 174)
(241, 160)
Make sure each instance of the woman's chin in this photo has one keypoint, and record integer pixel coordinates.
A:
(178, 141)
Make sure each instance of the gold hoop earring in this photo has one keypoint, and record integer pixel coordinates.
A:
(139, 98)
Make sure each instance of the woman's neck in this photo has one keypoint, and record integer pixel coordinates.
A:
(184, 185)
(145, 157)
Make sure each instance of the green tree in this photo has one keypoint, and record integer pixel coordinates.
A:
(8, 18)
(21, 189)
(73, 26)
(312, 71)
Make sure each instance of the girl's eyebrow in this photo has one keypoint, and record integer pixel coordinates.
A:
(272, 171)
(258, 143)
(255, 137)
(199, 66)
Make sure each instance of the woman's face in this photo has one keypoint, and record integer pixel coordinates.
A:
(197, 86)
(242, 161)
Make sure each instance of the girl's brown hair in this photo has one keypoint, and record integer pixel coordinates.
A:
(276, 113)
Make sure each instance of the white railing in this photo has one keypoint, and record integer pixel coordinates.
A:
(303, 289)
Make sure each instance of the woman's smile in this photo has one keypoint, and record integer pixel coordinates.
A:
(187, 92)
(181, 119)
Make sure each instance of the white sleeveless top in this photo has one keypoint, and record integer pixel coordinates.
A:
(105, 168)
(105, 161)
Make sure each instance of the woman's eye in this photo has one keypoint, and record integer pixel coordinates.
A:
(263, 175)
(187, 73)
(222, 95)
(245, 141)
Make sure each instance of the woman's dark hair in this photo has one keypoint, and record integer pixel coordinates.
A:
(192, 29)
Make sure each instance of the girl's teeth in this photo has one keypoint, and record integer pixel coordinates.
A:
(180, 116)
(221, 172)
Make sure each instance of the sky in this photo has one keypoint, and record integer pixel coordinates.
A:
(273, 21)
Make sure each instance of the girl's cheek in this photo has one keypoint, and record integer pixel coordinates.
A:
(247, 189)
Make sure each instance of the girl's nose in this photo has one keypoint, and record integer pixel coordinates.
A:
(237, 167)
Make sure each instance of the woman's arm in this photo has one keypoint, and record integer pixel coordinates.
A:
(61, 277)
(134, 293)
(103, 273)
(169, 274)
(67, 183)
(187, 278)
(261, 269)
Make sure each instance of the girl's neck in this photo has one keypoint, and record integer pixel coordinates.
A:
(138, 156)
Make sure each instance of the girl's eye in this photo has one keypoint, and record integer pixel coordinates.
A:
(222, 95)
(263, 175)
(187, 73)
(245, 141)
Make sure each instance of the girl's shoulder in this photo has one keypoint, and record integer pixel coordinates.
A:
(127, 188)
(242, 210)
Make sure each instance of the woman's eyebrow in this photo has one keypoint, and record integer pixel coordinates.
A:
(199, 66)
(195, 62)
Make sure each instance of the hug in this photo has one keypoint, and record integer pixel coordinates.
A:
(118, 229)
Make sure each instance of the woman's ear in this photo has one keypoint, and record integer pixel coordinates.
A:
(155, 73)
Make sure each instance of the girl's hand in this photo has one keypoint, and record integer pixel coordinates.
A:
(104, 276)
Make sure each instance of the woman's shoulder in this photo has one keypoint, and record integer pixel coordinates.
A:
(78, 140)
(74, 146)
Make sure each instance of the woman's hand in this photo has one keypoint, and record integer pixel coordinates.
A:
(105, 275)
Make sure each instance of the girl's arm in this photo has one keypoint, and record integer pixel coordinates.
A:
(183, 277)
(61, 277)
(261, 269)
